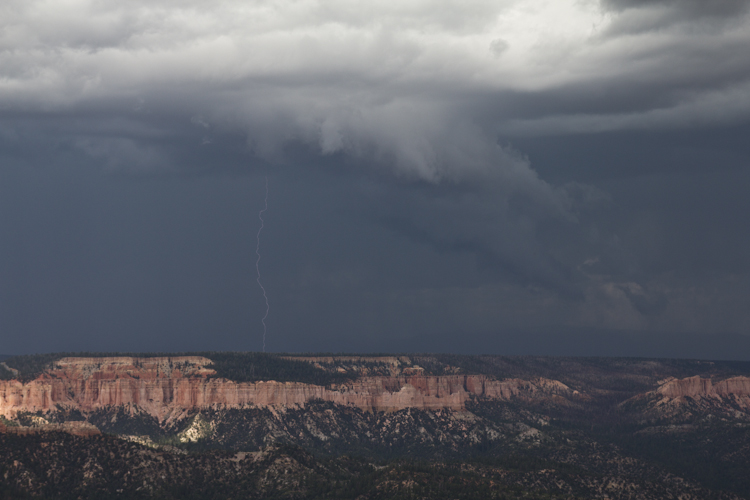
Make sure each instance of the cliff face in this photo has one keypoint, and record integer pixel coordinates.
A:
(697, 387)
(166, 387)
(683, 399)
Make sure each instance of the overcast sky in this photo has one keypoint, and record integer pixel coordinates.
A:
(550, 177)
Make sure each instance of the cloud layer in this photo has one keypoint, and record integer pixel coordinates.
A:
(392, 81)
(421, 102)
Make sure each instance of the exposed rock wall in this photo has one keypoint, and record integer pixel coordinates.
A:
(165, 386)
(697, 387)
(683, 399)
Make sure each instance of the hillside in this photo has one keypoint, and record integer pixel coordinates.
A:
(560, 427)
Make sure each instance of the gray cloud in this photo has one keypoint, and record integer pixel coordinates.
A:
(421, 104)
(682, 10)
(388, 76)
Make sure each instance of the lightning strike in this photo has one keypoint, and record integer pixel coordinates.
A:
(257, 265)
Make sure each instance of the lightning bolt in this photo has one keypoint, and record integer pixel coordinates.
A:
(257, 265)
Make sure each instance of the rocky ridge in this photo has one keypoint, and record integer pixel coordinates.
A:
(348, 427)
(688, 398)
(166, 387)
(697, 387)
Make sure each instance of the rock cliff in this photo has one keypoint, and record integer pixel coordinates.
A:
(697, 387)
(687, 398)
(166, 387)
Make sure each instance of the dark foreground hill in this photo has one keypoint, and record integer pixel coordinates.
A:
(249, 425)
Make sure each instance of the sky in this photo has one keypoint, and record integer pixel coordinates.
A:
(477, 176)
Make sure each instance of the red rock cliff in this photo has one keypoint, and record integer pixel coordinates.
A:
(171, 385)
(697, 387)
(680, 398)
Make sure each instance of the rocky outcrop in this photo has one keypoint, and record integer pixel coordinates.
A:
(687, 398)
(697, 387)
(164, 387)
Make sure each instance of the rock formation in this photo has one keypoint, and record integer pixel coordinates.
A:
(683, 399)
(170, 385)
(697, 387)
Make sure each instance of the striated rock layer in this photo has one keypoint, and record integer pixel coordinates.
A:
(686, 398)
(169, 386)
(697, 387)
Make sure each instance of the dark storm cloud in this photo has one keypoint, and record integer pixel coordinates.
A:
(508, 235)
(678, 11)
(415, 89)
(385, 80)
(417, 106)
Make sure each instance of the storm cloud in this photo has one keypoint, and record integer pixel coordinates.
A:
(488, 165)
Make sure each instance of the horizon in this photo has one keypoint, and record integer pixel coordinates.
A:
(608, 344)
